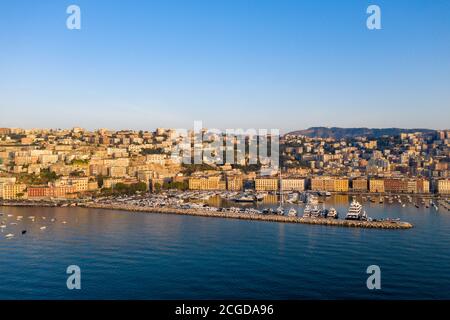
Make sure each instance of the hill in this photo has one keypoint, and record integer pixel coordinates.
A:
(338, 133)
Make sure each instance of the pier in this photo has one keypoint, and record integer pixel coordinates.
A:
(255, 217)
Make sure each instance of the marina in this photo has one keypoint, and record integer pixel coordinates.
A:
(286, 207)
(305, 208)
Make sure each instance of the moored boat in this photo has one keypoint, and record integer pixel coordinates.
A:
(332, 213)
(355, 212)
(292, 212)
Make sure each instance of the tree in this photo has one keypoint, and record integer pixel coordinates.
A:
(157, 187)
(100, 179)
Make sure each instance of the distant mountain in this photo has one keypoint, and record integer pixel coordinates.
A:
(338, 133)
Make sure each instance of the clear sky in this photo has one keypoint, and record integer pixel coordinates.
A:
(230, 63)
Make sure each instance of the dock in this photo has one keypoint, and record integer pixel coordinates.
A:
(255, 217)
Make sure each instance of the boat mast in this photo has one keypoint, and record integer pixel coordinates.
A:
(281, 188)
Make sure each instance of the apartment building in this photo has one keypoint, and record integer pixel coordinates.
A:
(360, 185)
(234, 183)
(376, 185)
(293, 184)
(266, 184)
(12, 191)
(207, 183)
(443, 186)
(42, 192)
(329, 184)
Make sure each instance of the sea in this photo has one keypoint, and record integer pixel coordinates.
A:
(125, 255)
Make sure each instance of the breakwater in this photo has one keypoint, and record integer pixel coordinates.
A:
(257, 217)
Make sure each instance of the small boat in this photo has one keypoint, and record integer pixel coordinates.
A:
(332, 213)
(307, 211)
(64, 222)
(9, 235)
(292, 212)
(324, 211)
(245, 198)
(280, 211)
(260, 197)
(43, 228)
(315, 212)
(24, 231)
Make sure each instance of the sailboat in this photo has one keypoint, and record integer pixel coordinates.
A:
(280, 210)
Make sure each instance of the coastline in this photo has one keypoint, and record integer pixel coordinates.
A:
(392, 225)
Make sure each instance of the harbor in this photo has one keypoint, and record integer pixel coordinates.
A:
(304, 208)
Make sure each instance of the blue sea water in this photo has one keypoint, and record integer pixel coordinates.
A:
(126, 255)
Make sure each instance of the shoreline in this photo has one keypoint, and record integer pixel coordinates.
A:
(392, 225)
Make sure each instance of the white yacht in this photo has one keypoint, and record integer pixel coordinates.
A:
(315, 212)
(355, 212)
(332, 213)
(324, 211)
(292, 212)
(311, 208)
(245, 198)
(307, 211)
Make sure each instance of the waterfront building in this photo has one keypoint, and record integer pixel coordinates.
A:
(376, 185)
(234, 183)
(423, 186)
(329, 184)
(360, 185)
(58, 192)
(266, 184)
(207, 183)
(293, 184)
(395, 185)
(443, 186)
(411, 185)
(340, 185)
(318, 184)
(12, 191)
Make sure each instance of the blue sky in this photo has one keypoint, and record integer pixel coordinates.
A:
(230, 63)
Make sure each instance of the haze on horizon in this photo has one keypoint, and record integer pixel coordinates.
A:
(232, 64)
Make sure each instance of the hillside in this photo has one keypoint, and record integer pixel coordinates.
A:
(338, 133)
